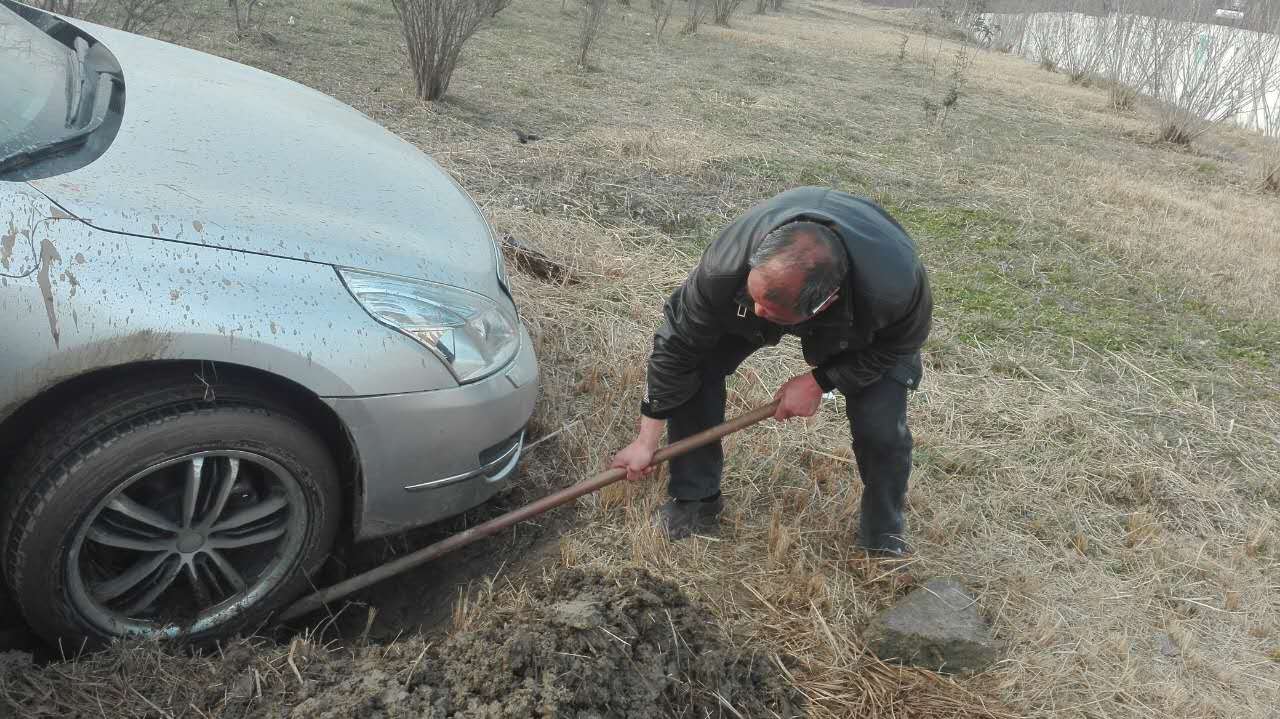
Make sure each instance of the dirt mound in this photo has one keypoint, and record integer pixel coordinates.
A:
(586, 646)
(591, 645)
(581, 646)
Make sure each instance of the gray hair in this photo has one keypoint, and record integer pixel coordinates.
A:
(821, 258)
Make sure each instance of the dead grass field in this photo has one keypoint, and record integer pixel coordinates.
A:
(1098, 434)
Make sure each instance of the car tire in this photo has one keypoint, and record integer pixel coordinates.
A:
(159, 484)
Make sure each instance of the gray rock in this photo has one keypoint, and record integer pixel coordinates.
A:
(937, 627)
(1166, 645)
(577, 613)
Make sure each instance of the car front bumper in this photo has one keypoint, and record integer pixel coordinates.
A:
(425, 456)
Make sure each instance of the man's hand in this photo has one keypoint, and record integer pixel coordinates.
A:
(637, 456)
(799, 397)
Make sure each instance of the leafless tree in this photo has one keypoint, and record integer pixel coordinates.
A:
(593, 16)
(722, 10)
(698, 11)
(661, 10)
(762, 6)
(776, 5)
(434, 33)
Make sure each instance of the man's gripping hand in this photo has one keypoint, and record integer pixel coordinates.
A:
(799, 397)
(637, 456)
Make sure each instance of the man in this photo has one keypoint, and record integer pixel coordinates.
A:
(840, 273)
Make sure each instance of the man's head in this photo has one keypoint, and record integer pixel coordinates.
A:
(796, 272)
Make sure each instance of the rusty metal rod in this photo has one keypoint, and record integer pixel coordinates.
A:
(314, 601)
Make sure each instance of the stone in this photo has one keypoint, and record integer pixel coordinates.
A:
(1166, 645)
(577, 613)
(936, 627)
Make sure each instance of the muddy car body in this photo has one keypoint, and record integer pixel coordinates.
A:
(241, 321)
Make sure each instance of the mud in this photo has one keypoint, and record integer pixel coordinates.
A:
(582, 646)
(595, 646)
(586, 646)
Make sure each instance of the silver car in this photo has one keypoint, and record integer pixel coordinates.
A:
(241, 321)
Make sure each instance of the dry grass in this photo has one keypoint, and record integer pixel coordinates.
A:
(1097, 433)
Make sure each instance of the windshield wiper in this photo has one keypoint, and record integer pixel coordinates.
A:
(75, 79)
(101, 103)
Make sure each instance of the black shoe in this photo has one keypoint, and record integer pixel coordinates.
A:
(884, 546)
(680, 518)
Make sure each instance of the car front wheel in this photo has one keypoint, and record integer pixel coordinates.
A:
(161, 512)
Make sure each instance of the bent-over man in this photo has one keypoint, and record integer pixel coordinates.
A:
(841, 274)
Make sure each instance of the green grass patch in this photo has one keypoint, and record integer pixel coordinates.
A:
(997, 280)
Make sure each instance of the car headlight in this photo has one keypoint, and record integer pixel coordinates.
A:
(474, 335)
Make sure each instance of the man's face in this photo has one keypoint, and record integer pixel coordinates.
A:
(773, 297)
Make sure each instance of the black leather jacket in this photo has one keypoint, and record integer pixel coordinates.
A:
(875, 328)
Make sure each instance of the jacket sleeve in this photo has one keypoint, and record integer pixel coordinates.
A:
(691, 327)
(894, 344)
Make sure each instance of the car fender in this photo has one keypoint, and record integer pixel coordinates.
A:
(75, 299)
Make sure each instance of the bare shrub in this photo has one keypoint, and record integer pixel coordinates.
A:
(1209, 80)
(661, 10)
(242, 12)
(86, 9)
(1264, 115)
(138, 16)
(1043, 42)
(943, 90)
(434, 33)
(593, 16)
(722, 10)
(1009, 33)
(776, 5)
(762, 6)
(1083, 44)
(698, 11)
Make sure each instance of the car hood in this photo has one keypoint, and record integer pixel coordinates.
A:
(216, 153)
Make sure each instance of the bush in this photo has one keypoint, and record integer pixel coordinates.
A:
(138, 16)
(661, 10)
(74, 8)
(698, 10)
(593, 15)
(722, 10)
(434, 33)
(245, 21)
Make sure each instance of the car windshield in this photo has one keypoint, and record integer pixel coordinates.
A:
(37, 86)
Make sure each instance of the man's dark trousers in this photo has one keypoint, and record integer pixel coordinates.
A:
(877, 421)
